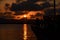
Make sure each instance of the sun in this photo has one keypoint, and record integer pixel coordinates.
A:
(25, 16)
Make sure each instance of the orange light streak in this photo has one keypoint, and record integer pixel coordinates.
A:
(28, 14)
(25, 32)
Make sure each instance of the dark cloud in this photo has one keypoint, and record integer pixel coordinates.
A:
(49, 12)
(29, 6)
(20, 13)
(38, 14)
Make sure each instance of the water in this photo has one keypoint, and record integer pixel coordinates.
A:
(16, 32)
(28, 33)
(25, 31)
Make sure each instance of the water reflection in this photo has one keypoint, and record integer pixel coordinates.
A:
(16, 32)
(25, 31)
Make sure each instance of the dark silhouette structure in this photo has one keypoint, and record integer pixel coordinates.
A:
(49, 30)
(39, 32)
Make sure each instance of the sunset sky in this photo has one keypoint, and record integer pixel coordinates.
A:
(3, 2)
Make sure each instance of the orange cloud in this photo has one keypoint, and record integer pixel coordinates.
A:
(28, 15)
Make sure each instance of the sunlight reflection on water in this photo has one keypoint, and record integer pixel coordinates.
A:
(25, 31)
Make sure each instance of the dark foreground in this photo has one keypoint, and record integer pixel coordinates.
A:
(46, 29)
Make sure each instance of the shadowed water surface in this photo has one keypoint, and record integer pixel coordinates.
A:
(16, 32)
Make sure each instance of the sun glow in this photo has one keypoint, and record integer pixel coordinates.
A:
(28, 15)
(25, 16)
